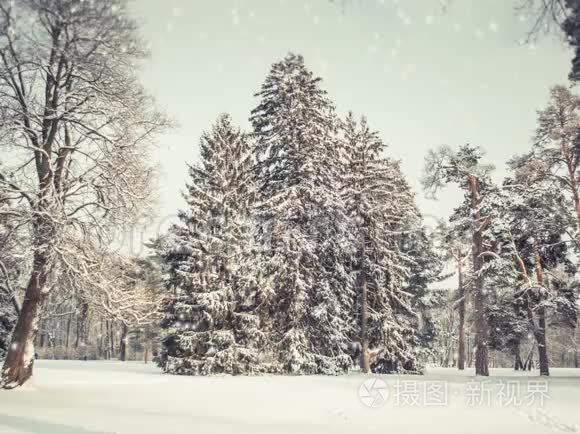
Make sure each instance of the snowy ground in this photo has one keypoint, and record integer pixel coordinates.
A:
(67, 397)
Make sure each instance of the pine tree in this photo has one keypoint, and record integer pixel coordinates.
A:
(381, 205)
(209, 323)
(464, 168)
(546, 182)
(534, 236)
(300, 220)
(555, 158)
(571, 28)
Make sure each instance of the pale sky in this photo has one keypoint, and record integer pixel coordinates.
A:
(423, 74)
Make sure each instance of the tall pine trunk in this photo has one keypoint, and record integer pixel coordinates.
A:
(481, 325)
(542, 343)
(461, 309)
(540, 330)
(573, 182)
(19, 361)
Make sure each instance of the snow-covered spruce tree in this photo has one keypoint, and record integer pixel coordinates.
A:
(425, 268)
(210, 321)
(301, 223)
(463, 167)
(379, 202)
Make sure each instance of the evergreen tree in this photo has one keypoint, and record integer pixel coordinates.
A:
(534, 237)
(301, 223)
(454, 242)
(463, 167)
(547, 213)
(554, 159)
(571, 28)
(426, 268)
(209, 323)
(380, 204)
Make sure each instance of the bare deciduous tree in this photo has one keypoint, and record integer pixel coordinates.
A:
(77, 127)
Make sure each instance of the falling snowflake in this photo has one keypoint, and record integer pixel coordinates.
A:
(372, 49)
(235, 17)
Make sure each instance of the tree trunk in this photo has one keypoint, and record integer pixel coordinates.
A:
(481, 325)
(364, 357)
(542, 343)
(42, 340)
(469, 351)
(123, 344)
(572, 179)
(529, 360)
(80, 335)
(106, 344)
(111, 340)
(540, 330)
(461, 308)
(101, 345)
(20, 358)
(518, 364)
(67, 339)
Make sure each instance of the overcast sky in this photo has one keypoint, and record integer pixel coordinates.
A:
(423, 73)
